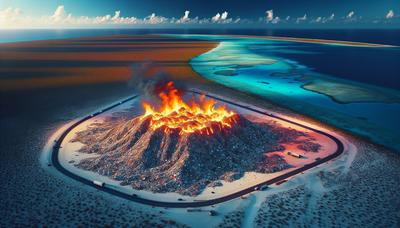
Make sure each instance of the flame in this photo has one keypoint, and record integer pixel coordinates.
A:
(203, 116)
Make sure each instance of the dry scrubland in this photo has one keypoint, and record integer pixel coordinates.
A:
(365, 196)
(38, 198)
(233, 219)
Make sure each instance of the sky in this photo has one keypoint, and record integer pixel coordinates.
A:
(214, 13)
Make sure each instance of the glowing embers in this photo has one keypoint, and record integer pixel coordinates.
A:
(201, 116)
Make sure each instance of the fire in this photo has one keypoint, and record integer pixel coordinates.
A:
(202, 116)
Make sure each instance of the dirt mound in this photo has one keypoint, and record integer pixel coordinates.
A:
(165, 161)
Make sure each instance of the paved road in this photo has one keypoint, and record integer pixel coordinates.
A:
(106, 188)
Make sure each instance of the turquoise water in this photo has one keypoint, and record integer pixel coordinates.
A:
(260, 70)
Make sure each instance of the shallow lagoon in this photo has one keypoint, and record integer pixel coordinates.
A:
(262, 67)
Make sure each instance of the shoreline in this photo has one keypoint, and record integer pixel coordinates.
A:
(349, 123)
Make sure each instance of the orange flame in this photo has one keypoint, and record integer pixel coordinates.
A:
(200, 117)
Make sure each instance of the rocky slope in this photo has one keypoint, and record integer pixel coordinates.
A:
(131, 152)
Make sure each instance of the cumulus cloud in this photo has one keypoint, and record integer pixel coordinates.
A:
(12, 18)
(154, 19)
(323, 20)
(221, 18)
(300, 19)
(216, 17)
(276, 20)
(117, 19)
(9, 15)
(350, 15)
(328, 19)
(390, 14)
(224, 15)
(270, 15)
(185, 18)
(60, 17)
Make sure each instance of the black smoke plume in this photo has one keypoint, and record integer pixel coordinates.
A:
(149, 81)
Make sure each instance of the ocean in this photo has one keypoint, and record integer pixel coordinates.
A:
(377, 67)
(381, 36)
(355, 88)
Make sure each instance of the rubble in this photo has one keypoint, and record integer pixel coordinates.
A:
(163, 160)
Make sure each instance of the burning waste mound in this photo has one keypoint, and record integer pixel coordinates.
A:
(183, 148)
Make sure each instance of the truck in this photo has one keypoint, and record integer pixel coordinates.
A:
(296, 155)
(98, 183)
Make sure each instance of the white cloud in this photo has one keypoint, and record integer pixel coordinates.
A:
(224, 15)
(300, 19)
(59, 15)
(390, 14)
(323, 20)
(270, 15)
(154, 19)
(117, 19)
(204, 21)
(328, 19)
(221, 18)
(9, 16)
(185, 18)
(216, 17)
(12, 18)
(276, 20)
(350, 15)
(116, 16)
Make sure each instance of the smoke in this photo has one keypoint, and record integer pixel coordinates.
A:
(148, 80)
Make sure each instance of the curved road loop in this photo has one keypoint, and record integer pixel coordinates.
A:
(137, 199)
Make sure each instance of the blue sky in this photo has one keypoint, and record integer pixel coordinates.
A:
(285, 12)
